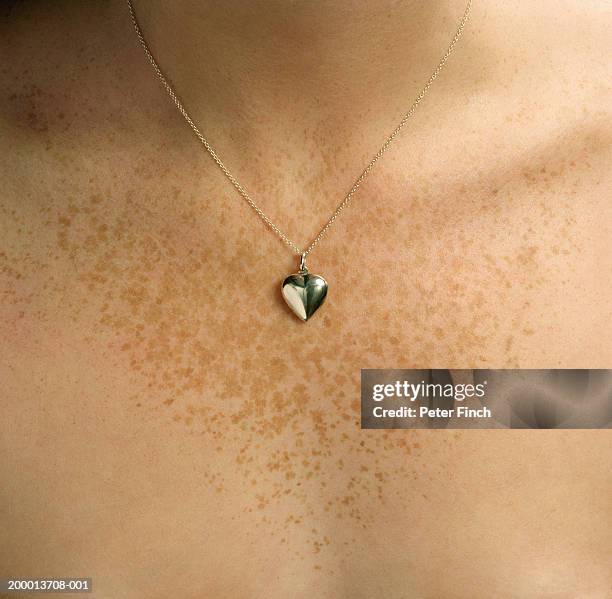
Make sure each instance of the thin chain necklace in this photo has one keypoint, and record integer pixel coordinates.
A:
(303, 292)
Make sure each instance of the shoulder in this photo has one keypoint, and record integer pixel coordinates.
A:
(57, 54)
(541, 74)
(69, 92)
(564, 44)
(561, 46)
(68, 69)
(70, 113)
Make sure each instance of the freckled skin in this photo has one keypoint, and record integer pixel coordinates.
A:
(171, 425)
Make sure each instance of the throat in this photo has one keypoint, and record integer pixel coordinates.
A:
(244, 59)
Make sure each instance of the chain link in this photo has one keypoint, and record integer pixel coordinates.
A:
(361, 177)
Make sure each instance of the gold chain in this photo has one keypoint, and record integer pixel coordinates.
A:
(361, 177)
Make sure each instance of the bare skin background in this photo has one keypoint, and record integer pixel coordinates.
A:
(163, 435)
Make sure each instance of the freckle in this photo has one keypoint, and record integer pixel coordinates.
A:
(150, 297)
(438, 333)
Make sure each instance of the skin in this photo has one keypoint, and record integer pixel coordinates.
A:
(169, 428)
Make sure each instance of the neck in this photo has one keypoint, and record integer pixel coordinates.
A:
(281, 57)
(297, 95)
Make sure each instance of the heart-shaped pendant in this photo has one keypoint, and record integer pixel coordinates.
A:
(304, 293)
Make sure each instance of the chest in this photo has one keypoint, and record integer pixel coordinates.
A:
(215, 436)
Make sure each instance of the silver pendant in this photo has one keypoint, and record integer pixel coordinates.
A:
(303, 292)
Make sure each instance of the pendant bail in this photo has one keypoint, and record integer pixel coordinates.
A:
(303, 263)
